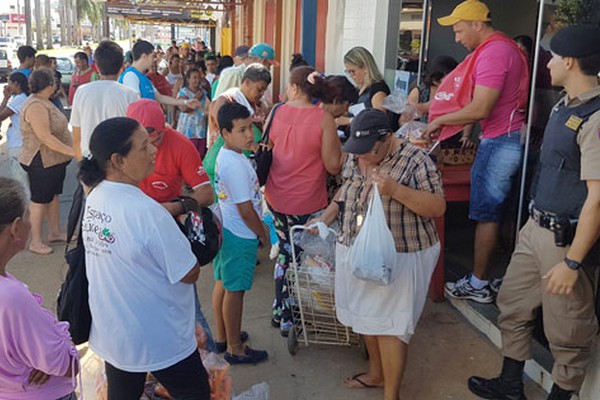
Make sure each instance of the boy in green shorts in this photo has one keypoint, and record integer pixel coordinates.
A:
(239, 197)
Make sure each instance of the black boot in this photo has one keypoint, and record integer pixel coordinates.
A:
(559, 394)
(508, 386)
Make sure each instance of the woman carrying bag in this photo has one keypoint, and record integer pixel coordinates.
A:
(305, 147)
(411, 196)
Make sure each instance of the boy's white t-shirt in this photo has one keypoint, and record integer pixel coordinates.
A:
(143, 317)
(236, 182)
(97, 101)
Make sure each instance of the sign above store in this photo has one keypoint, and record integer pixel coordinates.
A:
(167, 14)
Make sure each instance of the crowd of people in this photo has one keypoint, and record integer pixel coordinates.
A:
(157, 134)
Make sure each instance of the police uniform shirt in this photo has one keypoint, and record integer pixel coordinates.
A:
(588, 138)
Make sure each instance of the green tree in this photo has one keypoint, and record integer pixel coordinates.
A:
(91, 10)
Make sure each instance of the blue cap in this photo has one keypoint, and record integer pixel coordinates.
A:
(264, 51)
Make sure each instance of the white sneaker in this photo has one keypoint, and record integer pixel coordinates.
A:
(462, 289)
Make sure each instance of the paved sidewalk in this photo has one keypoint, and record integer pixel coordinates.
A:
(445, 351)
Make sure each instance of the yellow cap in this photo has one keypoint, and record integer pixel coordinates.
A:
(470, 10)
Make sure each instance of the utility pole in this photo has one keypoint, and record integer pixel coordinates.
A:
(48, 24)
(39, 29)
(19, 13)
(28, 27)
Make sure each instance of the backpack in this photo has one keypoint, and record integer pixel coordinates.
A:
(72, 302)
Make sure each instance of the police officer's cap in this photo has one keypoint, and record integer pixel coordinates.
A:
(576, 41)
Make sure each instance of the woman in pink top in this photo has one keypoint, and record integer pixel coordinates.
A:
(38, 360)
(305, 148)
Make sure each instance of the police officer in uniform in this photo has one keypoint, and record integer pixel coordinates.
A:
(553, 264)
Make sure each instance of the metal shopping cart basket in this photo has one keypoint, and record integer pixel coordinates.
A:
(311, 282)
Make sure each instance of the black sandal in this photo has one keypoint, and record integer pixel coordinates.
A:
(221, 347)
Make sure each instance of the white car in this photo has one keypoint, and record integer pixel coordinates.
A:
(7, 44)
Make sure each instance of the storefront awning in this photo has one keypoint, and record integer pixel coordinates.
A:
(198, 12)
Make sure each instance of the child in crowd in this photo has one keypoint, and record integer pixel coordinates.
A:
(192, 122)
(239, 196)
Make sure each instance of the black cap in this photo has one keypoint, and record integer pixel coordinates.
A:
(368, 126)
(576, 41)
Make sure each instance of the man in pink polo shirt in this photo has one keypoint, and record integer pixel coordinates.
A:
(492, 83)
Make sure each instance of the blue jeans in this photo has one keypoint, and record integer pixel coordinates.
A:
(201, 319)
(496, 165)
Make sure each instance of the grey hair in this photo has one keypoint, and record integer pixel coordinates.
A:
(362, 58)
(257, 73)
(13, 201)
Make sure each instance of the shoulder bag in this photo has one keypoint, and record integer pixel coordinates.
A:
(72, 303)
(264, 155)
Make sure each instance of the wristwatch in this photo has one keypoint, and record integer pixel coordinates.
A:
(574, 265)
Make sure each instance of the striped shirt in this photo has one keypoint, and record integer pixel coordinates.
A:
(410, 166)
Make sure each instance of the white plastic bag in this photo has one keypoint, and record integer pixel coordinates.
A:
(373, 254)
(260, 391)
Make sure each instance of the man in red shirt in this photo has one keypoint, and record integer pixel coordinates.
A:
(176, 162)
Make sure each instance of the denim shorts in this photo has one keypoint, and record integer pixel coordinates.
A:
(496, 165)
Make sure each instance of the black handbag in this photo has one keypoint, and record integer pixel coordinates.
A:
(202, 228)
(72, 303)
(264, 155)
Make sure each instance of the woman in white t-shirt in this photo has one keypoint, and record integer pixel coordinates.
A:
(15, 94)
(141, 271)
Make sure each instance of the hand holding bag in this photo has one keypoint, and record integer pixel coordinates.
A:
(264, 155)
(373, 253)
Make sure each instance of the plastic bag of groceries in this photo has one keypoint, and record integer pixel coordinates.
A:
(414, 132)
(322, 244)
(373, 253)
(218, 375)
(398, 103)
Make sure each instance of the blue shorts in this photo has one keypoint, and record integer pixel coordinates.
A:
(496, 165)
(235, 264)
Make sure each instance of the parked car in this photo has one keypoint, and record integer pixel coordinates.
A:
(7, 44)
(66, 66)
(5, 65)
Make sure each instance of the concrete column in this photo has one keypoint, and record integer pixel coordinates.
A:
(373, 25)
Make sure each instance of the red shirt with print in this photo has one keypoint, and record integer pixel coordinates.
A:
(176, 161)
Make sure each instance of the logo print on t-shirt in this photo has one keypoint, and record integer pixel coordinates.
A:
(160, 185)
(106, 236)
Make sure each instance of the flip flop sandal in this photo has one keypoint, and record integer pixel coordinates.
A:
(363, 385)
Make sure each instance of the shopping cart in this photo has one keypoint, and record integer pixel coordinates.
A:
(311, 285)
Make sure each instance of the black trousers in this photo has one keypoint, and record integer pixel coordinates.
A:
(186, 380)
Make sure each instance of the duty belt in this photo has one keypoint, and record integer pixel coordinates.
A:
(544, 219)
